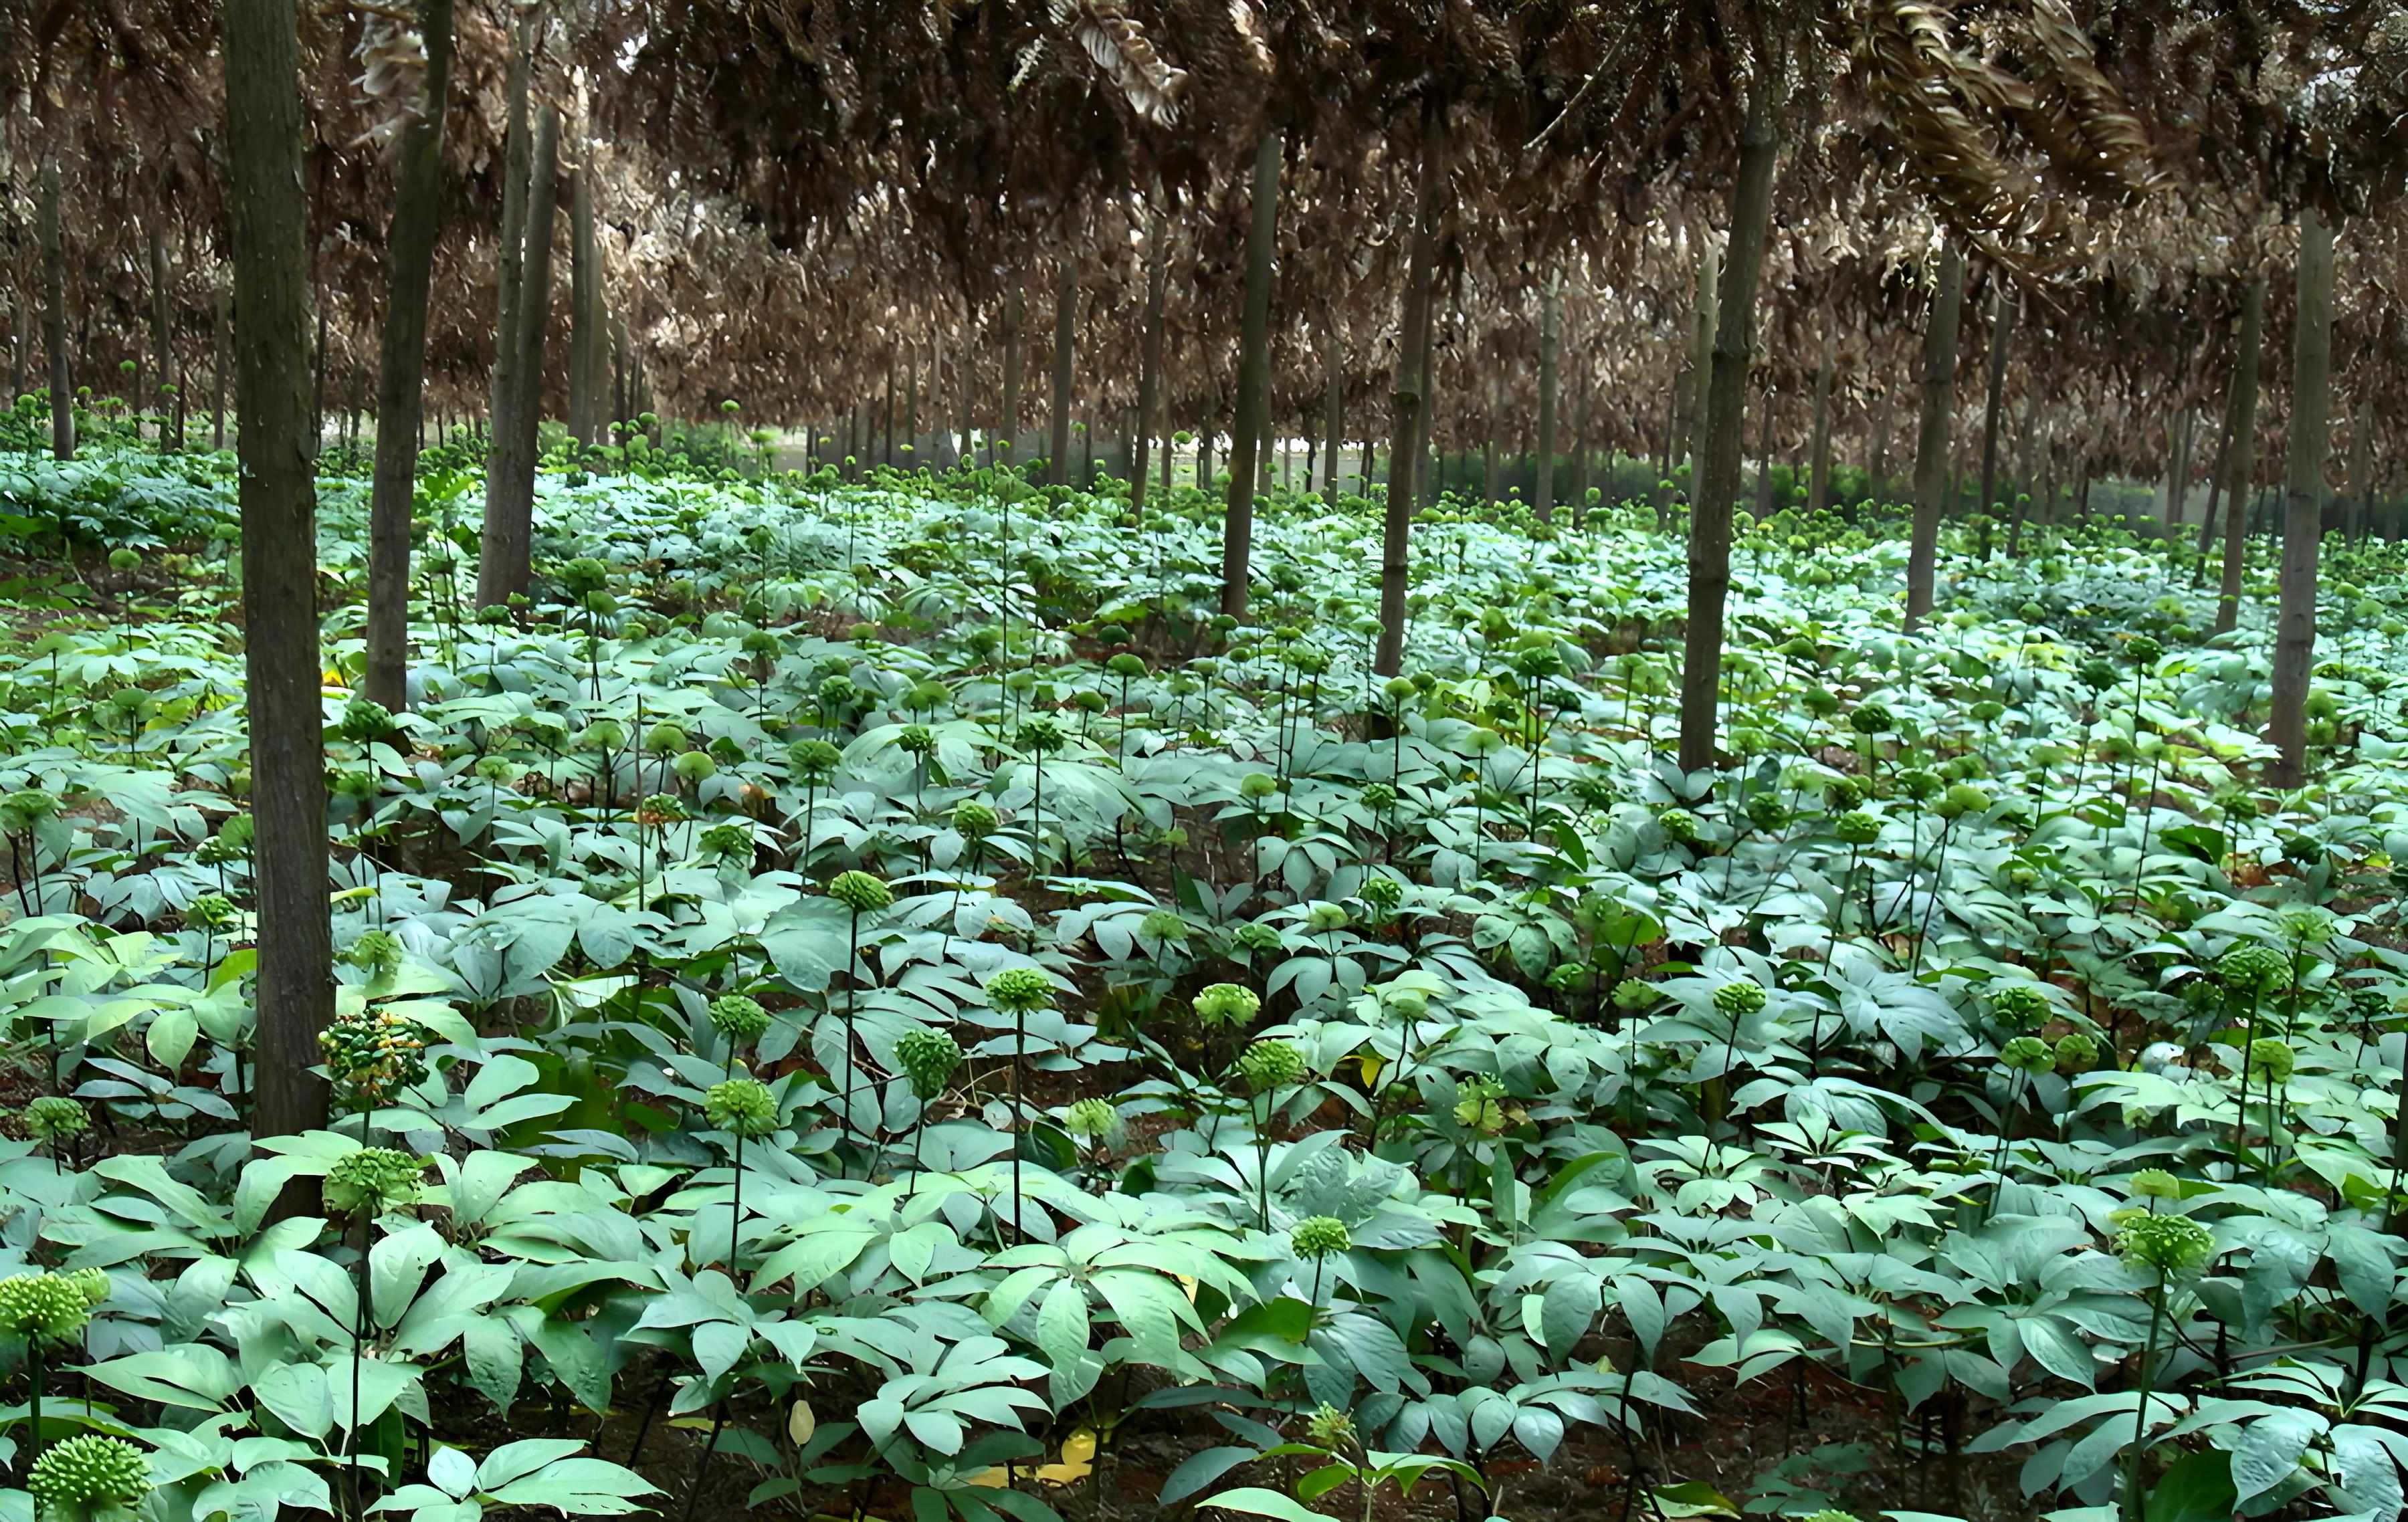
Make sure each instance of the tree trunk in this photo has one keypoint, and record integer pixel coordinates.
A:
(517, 166)
(2240, 449)
(1542, 493)
(2025, 497)
(1009, 437)
(1580, 452)
(1065, 330)
(961, 365)
(295, 987)
(2295, 622)
(223, 345)
(1764, 454)
(401, 371)
(1332, 405)
(1148, 368)
(1691, 431)
(1932, 440)
(1254, 379)
(55, 318)
(1412, 366)
(1818, 467)
(162, 349)
(584, 286)
(2003, 332)
(2361, 490)
(1717, 480)
(505, 562)
(325, 305)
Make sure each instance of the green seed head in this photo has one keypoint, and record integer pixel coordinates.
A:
(1960, 799)
(1379, 797)
(665, 739)
(371, 1054)
(1739, 999)
(1019, 991)
(1858, 827)
(740, 1106)
(2173, 1245)
(1258, 784)
(374, 1178)
(2027, 1053)
(693, 766)
(860, 892)
(47, 1307)
(2253, 970)
(1480, 1107)
(376, 952)
(2156, 1183)
(89, 1478)
(1873, 719)
(2076, 1052)
(737, 1017)
(1317, 1235)
(1041, 736)
(2021, 1005)
(1163, 925)
(1331, 1427)
(1090, 1119)
(1383, 894)
(973, 820)
(1257, 937)
(929, 1059)
(1227, 1005)
(916, 740)
(1126, 666)
(1270, 1063)
(2274, 1060)
(53, 1117)
(1679, 823)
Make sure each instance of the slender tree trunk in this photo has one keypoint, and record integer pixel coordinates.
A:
(296, 989)
(1932, 441)
(223, 346)
(1413, 368)
(1149, 369)
(505, 562)
(54, 316)
(963, 362)
(1332, 404)
(1254, 379)
(583, 291)
(1581, 451)
(2295, 622)
(325, 305)
(2178, 471)
(2207, 519)
(1818, 467)
(1013, 307)
(1065, 317)
(1542, 494)
(2361, 490)
(1764, 453)
(401, 370)
(2027, 495)
(518, 154)
(163, 348)
(1702, 359)
(1717, 480)
(2003, 314)
(2240, 449)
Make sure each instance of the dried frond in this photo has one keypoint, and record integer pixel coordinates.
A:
(394, 76)
(1120, 47)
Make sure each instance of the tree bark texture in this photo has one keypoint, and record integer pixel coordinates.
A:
(1413, 366)
(517, 161)
(2003, 332)
(1254, 379)
(1932, 439)
(2295, 619)
(54, 316)
(2239, 451)
(1818, 467)
(1149, 372)
(1543, 495)
(511, 557)
(584, 291)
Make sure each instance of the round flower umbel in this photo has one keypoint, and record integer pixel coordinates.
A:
(1317, 1236)
(1858, 827)
(2076, 1052)
(2027, 1053)
(90, 1478)
(43, 1307)
(372, 1053)
(1222, 1005)
(2155, 1184)
(927, 1058)
(1480, 1107)
(2021, 1005)
(741, 1107)
(1270, 1063)
(1019, 991)
(738, 1018)
(860, 892)
(1091, 1120)
(2252, 970)
(1331, 1427)
(2174, 1246)
(374, 1180)
(2274, 1060)
(1738, 999)
(54, 1117)
(973, 820)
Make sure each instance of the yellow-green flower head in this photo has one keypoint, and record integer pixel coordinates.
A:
(1090, 1119)
(1163, 925)
(1019, 991)
(376, 1179)
(973, 820)
(2252, 970)
(1480, 1105)
(737, 1017)
(1270, 1063)
(1858, 827)
(2173, 1245)
(53, 1117)
(93, 1284)
(1317, 1235)
(2274, 1059)
(740, 1106)
(1223, 1005)
(376, 952)
(2076, 1052)
(89, 1478)
(1961, 799)
(1258, 784)
(860, 892)
(1383, 894)
(929, 1059)
(2155, 1184)
(43, 1306)
(1739, 998)
(1324, 917)
(2020, 1005)
(1329, 1427)
(2027, 1053)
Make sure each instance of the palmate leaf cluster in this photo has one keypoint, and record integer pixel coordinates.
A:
(1479, 1080)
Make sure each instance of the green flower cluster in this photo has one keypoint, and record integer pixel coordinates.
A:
(375, 1178)
(860, 892)
(1227, 1005)
(89, 1478)
(372, 1053)
(741, 1106)
(1317, 1235)
(46, 1307)
(2253, 970)
(1091, 1120)
(1739, 999)
(929, 1059)
(53, 1117)
(1019, 991)
(2173, 1245)
(1270, 1063)
(737, 1017)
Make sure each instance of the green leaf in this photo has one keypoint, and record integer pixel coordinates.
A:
(2198, 1489)
(1257, 1501)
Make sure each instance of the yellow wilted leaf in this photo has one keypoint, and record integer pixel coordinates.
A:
(1078, 1462)
(1370, 1064)
(800, 1423)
